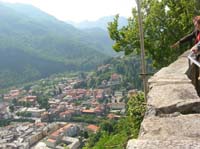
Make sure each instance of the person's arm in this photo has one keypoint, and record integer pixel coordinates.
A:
(184, 39)
(187, 37)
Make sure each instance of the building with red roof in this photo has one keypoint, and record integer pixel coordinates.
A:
(93, 128)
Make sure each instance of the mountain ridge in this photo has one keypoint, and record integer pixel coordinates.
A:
(99, 23)
(46, 40)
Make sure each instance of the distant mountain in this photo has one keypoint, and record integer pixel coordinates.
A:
(98, 31)
(100, 23)
(102, 40)
(34, 44)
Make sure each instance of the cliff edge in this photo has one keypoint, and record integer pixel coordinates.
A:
(172, 120)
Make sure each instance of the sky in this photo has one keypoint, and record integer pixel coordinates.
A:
(80, 10)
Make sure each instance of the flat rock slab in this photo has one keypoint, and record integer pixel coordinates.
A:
(180, 66)
(171, 98)
(174, 73)
(181, 132)
(182, 127)
(168, 79)
(163, 144)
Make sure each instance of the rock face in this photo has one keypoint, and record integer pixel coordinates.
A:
(172, 120)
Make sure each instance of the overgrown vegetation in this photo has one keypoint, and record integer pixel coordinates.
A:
(128, 67)
(5, 122)
(115, 134)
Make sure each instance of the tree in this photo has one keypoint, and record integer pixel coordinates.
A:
(60, 90)
(135, 111)
(164, 22)
(107, 126)
(91, 82)
(11, 108)
(14, 102)
(43, 101)
(115, 134)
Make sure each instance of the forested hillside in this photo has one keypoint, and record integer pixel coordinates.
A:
(102, 40)
(127, 67)
(98, 31)
(34, 44)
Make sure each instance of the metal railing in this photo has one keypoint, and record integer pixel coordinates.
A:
(194, 69)
(192, 59)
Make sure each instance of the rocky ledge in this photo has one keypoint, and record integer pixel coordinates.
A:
(172, 120)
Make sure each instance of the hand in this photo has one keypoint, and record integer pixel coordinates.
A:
(175, 45)
(194, 49)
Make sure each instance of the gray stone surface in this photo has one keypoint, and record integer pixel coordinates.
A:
(172, 120)
(174, 73)
(169, 98)
(168, 79)
(182, 127)
(163, 144)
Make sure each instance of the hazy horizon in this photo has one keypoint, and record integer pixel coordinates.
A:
(78, 11)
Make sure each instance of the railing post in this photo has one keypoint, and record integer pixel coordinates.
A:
(143, 64)
(194, 67)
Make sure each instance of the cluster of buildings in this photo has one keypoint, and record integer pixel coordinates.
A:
(115, 79)
(65, 103)
(24, 135)
(64, 135)
(32, 135)
(69, 103)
